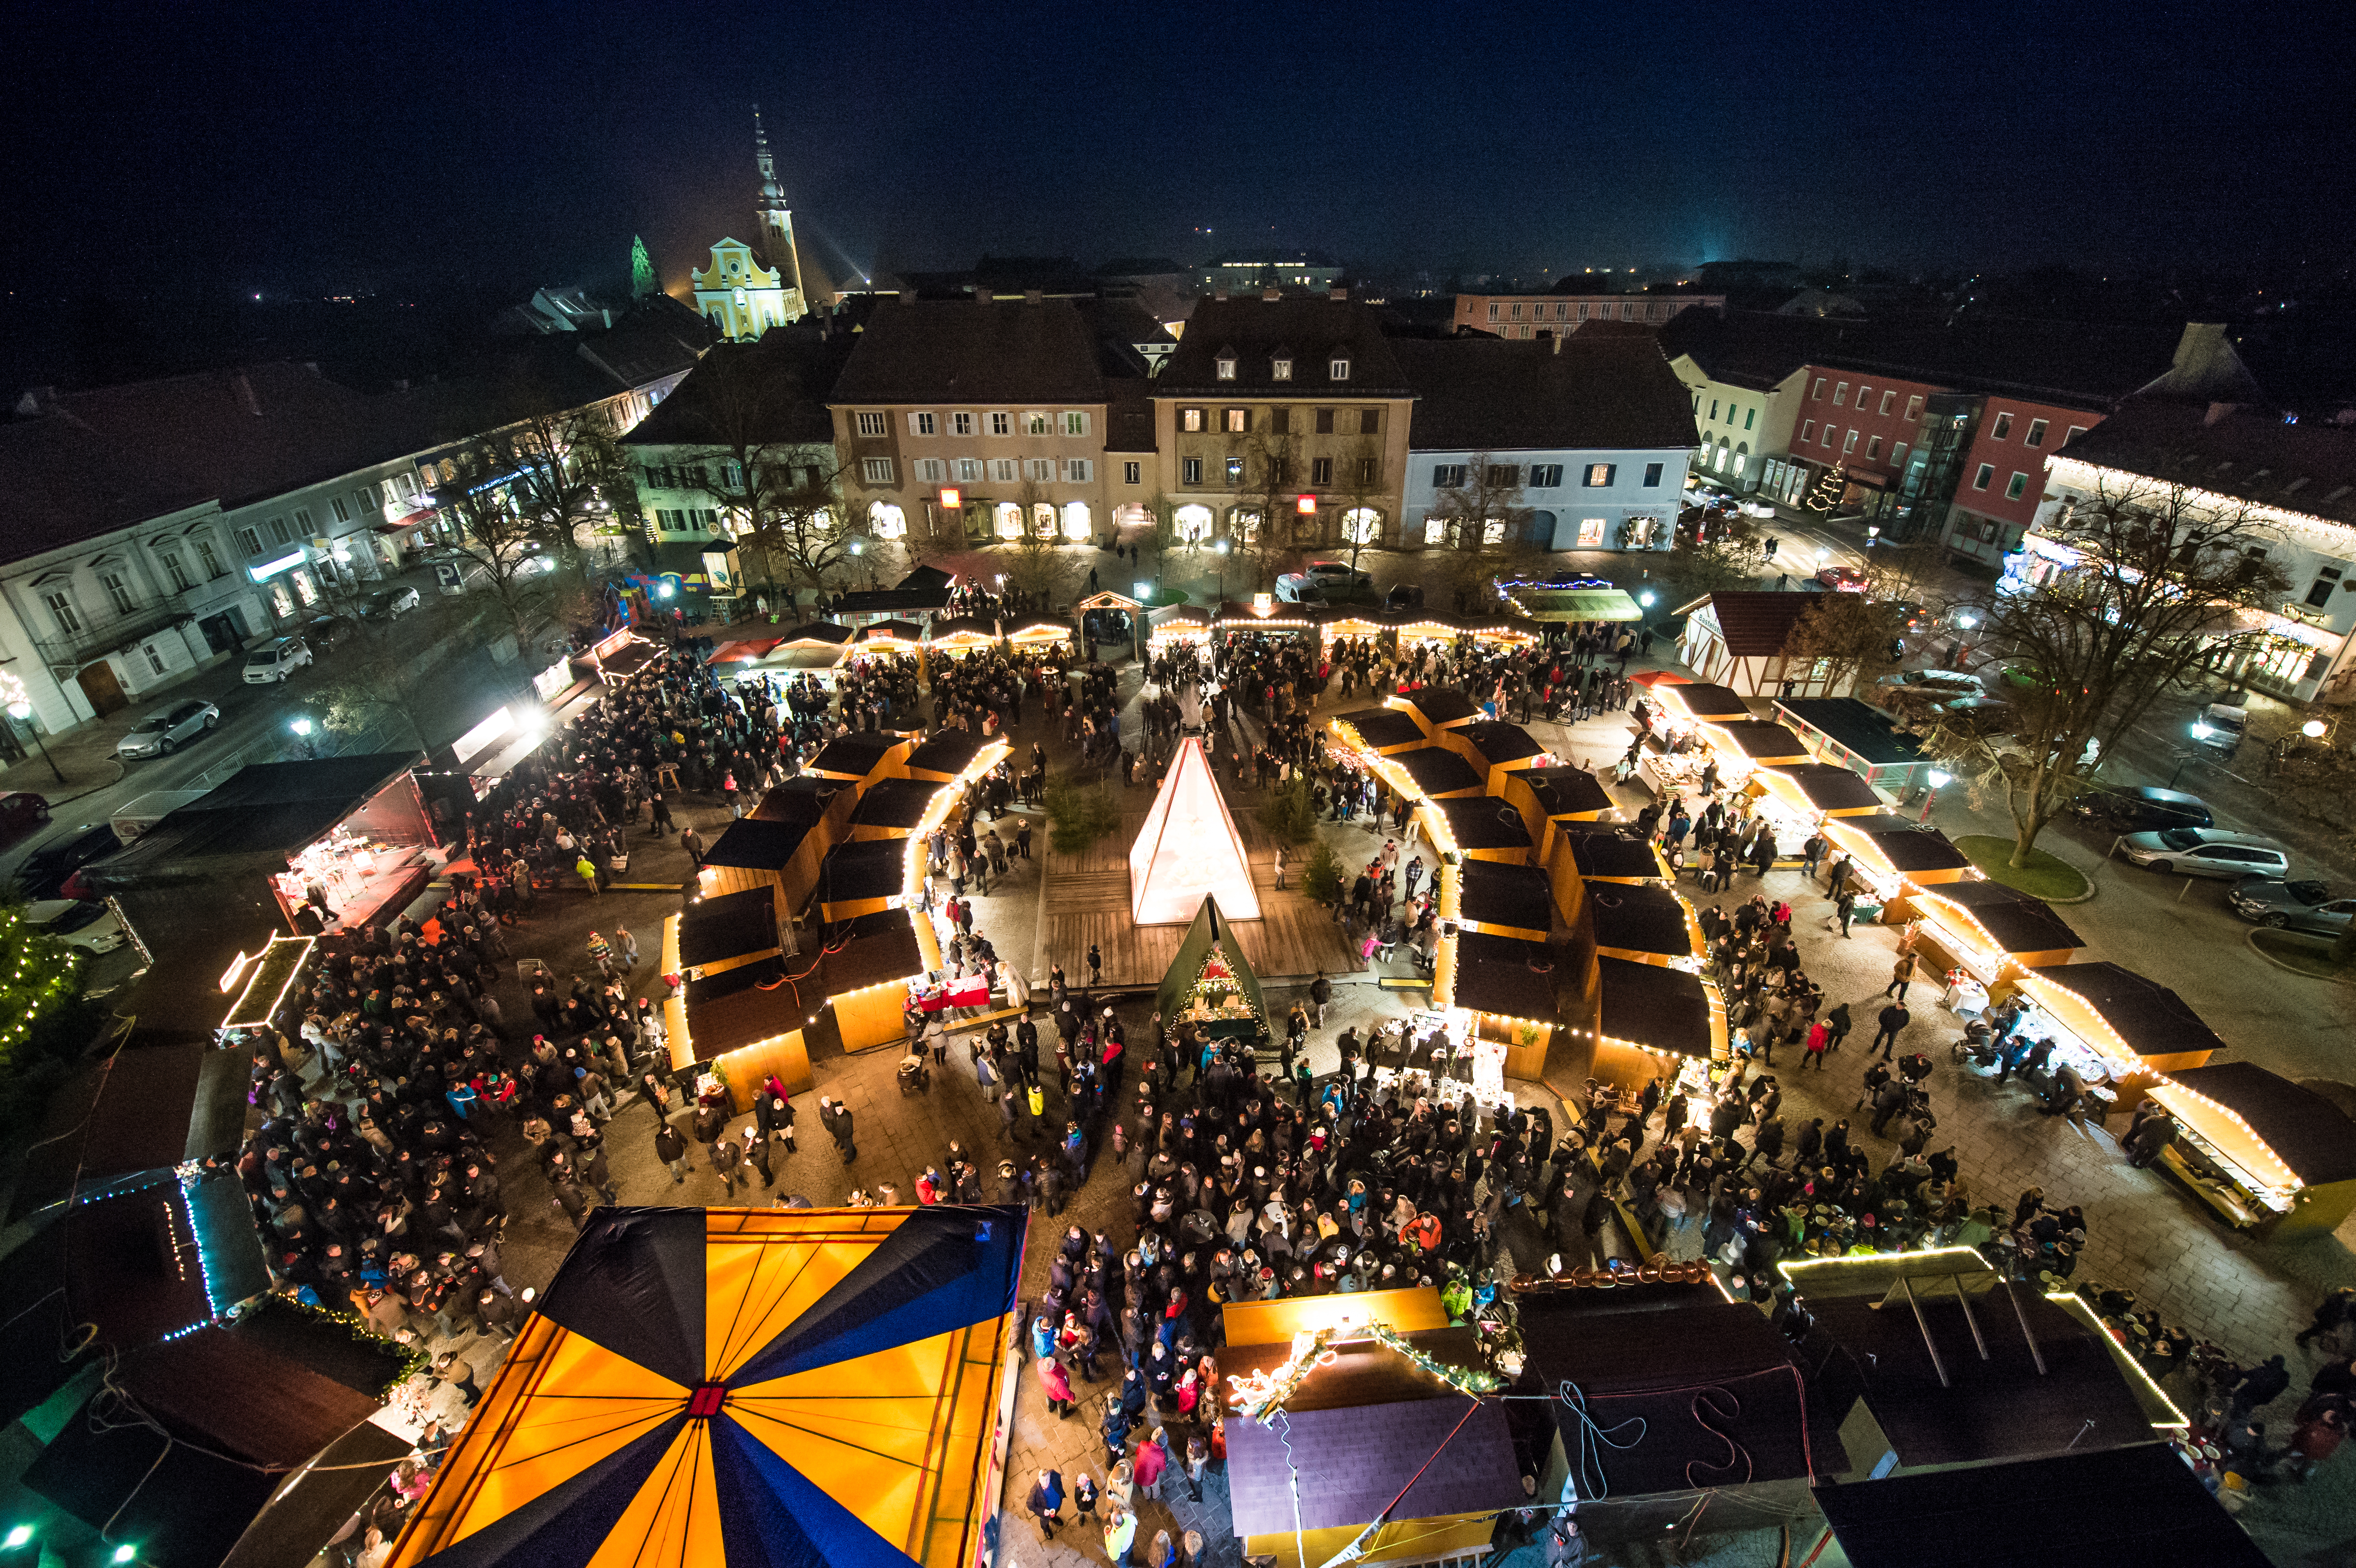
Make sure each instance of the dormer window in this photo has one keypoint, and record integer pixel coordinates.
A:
(1281, 369)
(1339, 369)
(1226, 366)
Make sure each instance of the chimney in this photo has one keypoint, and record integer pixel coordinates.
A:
(2218, 411)
(1034, 296)
(1271, 294)
(1338, 292)
(245, 394)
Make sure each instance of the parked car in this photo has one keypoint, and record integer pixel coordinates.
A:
(2143, 809)
(158, 734)
(1404, 596)
(2208, 852)
(324, 631)
(45, 874)
(1333, 574)
(1937, 685)
(276, 660)
(2219, 727)
(78, 923)
(387, 603)
(21, 811)
(2293, 906)
(1978, 715)
(1293, 588)
(1847, 579)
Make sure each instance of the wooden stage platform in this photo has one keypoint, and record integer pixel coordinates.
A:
(1087, 900)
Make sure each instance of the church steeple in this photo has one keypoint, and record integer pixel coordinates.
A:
(776, 219)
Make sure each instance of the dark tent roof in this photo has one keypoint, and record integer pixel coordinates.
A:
(2313, 1135)
(1858, 727)
(1647, 1364)
(1908, 845)
(2001, 1408)
(150, 1109)
(894, 803)
(1441, 707)
(1640, 917)
(2023, 923)
(832, 634)
(890, 600)
(1567, 791)
(752, 844)
(2152, 1019)
(1383, 728)
(1483, 822)
(1604, 851)
(711, 931)
(923, 576)
(1363, 1455)
(802, 798)
(1499, 741)
(732, 1010)
(1495, 893)
(1704, 700)
(1647, 1004)
(878, 947)
(947, 753)
(1495, 974)
(1830, 787)
(1762, 742)
(868, 869)
(853, 756)
(263, 809)
(1435, 770)
(2128, 1507)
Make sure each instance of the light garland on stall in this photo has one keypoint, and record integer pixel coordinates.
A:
(1254, 1395)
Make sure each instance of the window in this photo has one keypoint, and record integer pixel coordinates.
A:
(1447, 476)
(2037, 431)
(1864, 397)
(1652, 474)
(1324, 421)
(1279, 422)
(1132, 473)
(62, 610)
(1004, 470)
(1545, 475)
(1808, 431)
(1849, 443)
(1320, 471)
(1750, 417)
(920, 424)
(1280, 369)
(303, 526)
(1001, 424)
(2002, 427)
(1504, 475)
(1826, 438)
(1816, 392)
(1898, 455)
(2017, 488)
(1435, 529)
(1075, 423)
(930, 470)
(1235, 471)
(1713, 408)
(208, 560)
(1190, 418)
(1873, 450)
(1600, 474)
(2320, 594)
(1887, 398)
(365, 498)
(1493, 310)
(875, 424)
(1078, 470)
(154, 659)
(1226, 366)
(1840, 395)
(1516, 312)
(886, 521)
(1370, 421)
(876, 470)
(336, 504)
(1279, 471)
(248, 541)
(1038, 424)
(961, 425)
(1039, 469)
(1339, 369)
(1238, 420)
(2075, 431)
(278, 530)
(178, 573)
(1981, 480)
(1913, 408)
(1190, 471)
(1369, 470)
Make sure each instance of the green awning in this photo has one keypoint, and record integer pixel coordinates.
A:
(1575, 604)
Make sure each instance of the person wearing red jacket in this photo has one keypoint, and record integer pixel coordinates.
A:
(1057, 1386)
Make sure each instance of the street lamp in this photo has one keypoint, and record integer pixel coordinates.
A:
(20, 708)
(1220, 550)
(2314, 728)
(302, 728)
(1939, 781)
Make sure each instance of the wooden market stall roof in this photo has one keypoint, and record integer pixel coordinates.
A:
(1757, 741)
(1385, 730)
(1906, 846)
(1643, 921)
(1613, 854)
(1439, 708)
(1855, 727)
(1495, 742)
(1565, 792)
(2016, 921)
(1482, 822)
(1506, 976)
(2124, 1015)
(1492, 893)
(1437, 771)
(1824, 787)
(2311, 1136)
(1657, 1008)
(1699, 699)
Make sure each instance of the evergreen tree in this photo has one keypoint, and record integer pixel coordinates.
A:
(642, 269)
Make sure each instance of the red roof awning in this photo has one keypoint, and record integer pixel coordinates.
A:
(743, 652)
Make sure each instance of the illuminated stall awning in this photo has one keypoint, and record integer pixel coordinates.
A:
(267, 979)
(964, 634)
(1897, 846)
(1506, 977)
(820, 634)
(1857, 736)
(1267, 613)
(1482, 825)
(2289, 1135)
(1382, 730)
(854, 757)
(1672, 1012)
(1436, 708)
(1698, 700)
(1340, 624)
(745, 652)
(1993, 917)
(1437, 771)
(1179, 624)
(1644, 922)
(1571, 794)
(1820, 789)
(1761, 743)
(716, 935)
(2132, 1023)
(905, 635)
(1495, 743)
(1040, 633)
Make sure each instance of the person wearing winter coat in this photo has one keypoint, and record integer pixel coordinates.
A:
(1057, 1386)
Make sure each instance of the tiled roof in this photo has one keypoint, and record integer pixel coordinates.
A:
(772, 391)
(2307, 467)
(1316, 332)
(62, 482)
(1478, 395)
(1756, 624)
(961, 351)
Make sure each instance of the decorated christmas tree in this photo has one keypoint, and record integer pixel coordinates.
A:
(1210, 985)
(642, 269)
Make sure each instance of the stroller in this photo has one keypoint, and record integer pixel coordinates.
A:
(915, 1075)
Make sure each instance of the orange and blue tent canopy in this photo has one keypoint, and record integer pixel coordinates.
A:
(762, 1387)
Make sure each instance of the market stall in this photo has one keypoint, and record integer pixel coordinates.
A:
(1036, 635)
(1501, 995)
(1433, 772)
(1985, 933)
(1435, 708)
(1178, 625)
(1551, 799)
(1380, 732)
(1642, 1022)
(1575, 604)
(2266, 1153)
(1644, 922)
(1693, 701)
(1496, 748)
(1504, 900)
(1594, 852)
(1848, 733)
(961, 634)
(1811, 792)
(2106, 1019)
(744, 651)
(1476, 827)
(1355, 625)
(1888, 858)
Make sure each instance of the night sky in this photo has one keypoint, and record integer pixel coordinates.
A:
(325, 149)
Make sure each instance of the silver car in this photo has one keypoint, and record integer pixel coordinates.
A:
(2294, 906)
(2207, 852)
(158, 734)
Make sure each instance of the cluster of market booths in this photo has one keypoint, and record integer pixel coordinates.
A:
(1398, 632)
(1567, 951)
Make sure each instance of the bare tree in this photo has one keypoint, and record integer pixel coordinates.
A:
(1359, 485)
(1163, 533)
(506, 550)
(2149, 603)
(1852, 639)
(1035, 564)
(608, 468)
(1483, 523)
(387, 672)
(1267, 489)
(801, 532)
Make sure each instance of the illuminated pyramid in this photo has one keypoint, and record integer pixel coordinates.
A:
(1189, 850)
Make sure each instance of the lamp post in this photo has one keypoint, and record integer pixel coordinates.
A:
(1220, 550)
(303, 728)
(20, 708)
(1939, 781)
